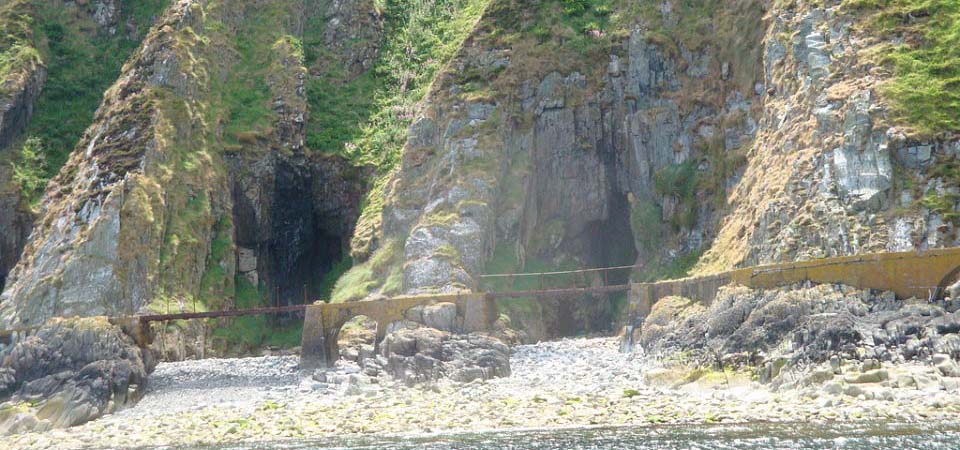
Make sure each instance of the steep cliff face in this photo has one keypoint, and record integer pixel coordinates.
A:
(21, 78)
(250, 149)
(562, 139)
(194, 176)
(836, 169)
(21, 72)
(584, 134)
(78, 48)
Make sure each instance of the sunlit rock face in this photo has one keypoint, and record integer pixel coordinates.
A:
(165, 196)
(654, 148)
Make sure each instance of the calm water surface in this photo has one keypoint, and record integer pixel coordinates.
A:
(749, 437)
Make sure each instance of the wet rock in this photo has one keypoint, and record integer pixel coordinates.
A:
(70, 372)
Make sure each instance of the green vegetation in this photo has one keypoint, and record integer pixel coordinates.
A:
(680, 182)
(366, 118)
(82, 63)
(646, 222)
(383, 272)
(329, 280)
(253, 332)
(924, 93)
(17, 49)
(679, 267)
(29, 172)
(242, 100)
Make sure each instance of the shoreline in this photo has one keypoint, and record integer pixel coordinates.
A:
(889, 428)
(560, 385)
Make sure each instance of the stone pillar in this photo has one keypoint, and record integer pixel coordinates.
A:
(313, 348)
(480, 313)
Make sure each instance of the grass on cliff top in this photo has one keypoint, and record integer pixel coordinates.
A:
(366, 118)
(17, 49)
(81, 64)
(924, 92)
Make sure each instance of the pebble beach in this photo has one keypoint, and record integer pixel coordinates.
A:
(561, 384)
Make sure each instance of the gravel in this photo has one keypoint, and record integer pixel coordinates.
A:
(568, 383)
(230, 383)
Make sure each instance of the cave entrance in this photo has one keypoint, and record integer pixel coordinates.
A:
(611, 241)
(305, 242)
(293, 227)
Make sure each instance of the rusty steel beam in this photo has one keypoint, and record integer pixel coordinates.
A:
(537, 293)
(216, 314)
(566, 272)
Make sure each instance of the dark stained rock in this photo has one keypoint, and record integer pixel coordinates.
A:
(70, 372)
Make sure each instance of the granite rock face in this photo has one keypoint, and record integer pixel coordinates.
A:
(426, 354)
(70, 372)
(18, 95)
(155, 202)
(353, 32)
(20, 85)
(549, 169)
(15, 225)
(76, 262)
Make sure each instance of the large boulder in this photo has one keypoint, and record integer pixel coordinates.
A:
(426, 354)
(70, 372)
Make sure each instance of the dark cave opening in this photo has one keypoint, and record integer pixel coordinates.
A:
(302, 247)
(604, 243)
(296, 229)
(611, 242)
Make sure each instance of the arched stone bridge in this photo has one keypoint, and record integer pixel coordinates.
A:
(476, 312)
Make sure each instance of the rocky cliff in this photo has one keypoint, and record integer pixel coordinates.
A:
(196, 153)
(58, 57)
(583, 134)
(22, 75)
(567, 139)
(251, 150)
(838, 167)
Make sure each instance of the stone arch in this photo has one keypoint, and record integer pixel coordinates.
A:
(946, 281)
(354, 336)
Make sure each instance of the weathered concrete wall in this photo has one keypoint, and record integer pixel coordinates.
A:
(908, 274)
(476, 312)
